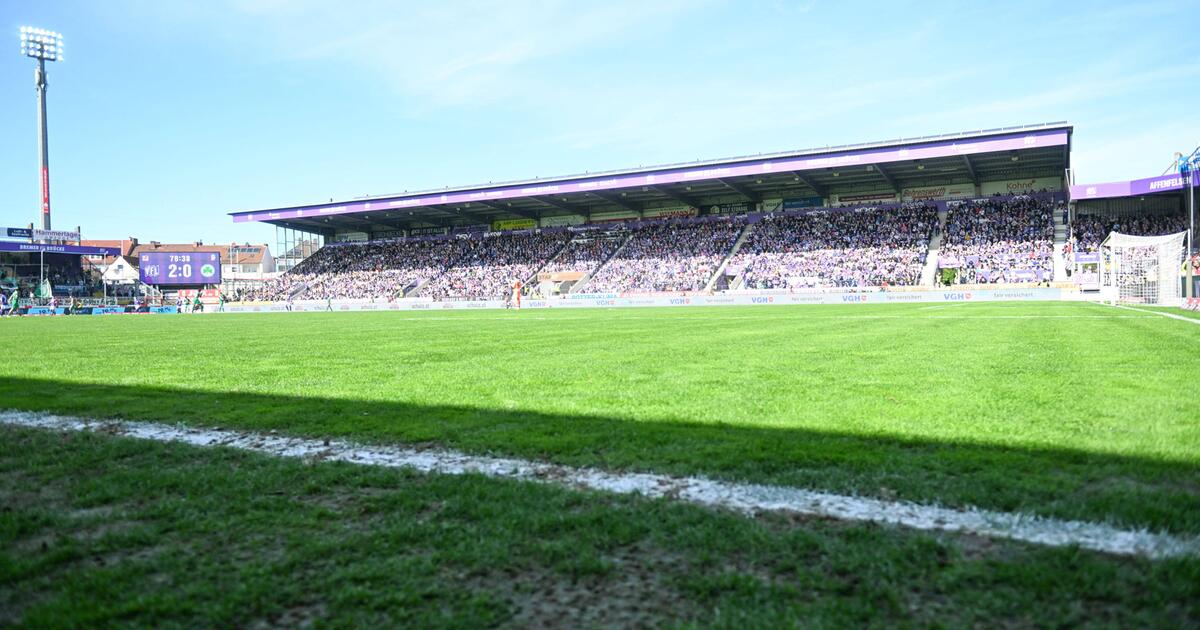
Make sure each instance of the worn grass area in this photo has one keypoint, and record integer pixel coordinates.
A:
(1068, 410)
(97, 530)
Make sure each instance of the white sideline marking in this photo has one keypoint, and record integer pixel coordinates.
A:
(938, 316)
(744, 498)
(1190, 320)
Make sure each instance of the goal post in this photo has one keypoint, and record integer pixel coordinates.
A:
(1141, 269)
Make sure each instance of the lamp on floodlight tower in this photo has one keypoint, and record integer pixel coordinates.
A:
(43, 45)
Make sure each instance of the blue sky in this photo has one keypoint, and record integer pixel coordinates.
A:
(167, 115)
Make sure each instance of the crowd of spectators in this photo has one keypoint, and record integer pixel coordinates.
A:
(668, 257)
(62, 279)
(1088, 231)
(865, 247)
(585, 254)
(489, 266)
(368, 270)
(1004, 239)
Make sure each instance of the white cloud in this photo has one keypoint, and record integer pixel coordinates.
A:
(452, 52)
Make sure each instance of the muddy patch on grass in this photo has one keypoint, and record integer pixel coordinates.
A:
(635, 593)
(300, 616)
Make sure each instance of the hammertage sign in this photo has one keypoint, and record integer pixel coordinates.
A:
(55, 235)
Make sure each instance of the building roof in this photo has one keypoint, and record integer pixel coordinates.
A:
(243, 254)
(988, 155)
(103, 243)
(230, 254)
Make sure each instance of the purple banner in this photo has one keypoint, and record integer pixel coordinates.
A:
(1087, 257)
(180, 267)
(10, 246)
(1158, 184)
(1148, 186)
(877, 155)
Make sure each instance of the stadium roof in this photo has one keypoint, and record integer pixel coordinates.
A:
(1172, 183)
(1008, 153)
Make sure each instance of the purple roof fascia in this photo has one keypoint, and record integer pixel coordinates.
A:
(1147, 186)
(876, 155)
(83, 250)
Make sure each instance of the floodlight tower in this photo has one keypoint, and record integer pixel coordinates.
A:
(44, 46)
(1189, 167)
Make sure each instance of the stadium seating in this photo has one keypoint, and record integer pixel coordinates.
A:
(363, 270)
(849, 248)
(1004, 239)
(585, 254)
(668, 257)
(1088, 231)
(1007, 239)
(65, 278)
(488, 266)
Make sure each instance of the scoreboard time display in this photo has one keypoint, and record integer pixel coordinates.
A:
(180, 267)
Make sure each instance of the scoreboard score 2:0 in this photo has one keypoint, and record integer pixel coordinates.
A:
(180, 267)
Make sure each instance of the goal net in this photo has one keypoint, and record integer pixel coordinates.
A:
(1141, 269)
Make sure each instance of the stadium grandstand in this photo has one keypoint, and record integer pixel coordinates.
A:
(983, 208)
(849, 216)
(991, 208)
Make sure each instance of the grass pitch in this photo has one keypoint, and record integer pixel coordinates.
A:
(1066, 410)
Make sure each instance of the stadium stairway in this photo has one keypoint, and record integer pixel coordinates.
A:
(532, 279)
(415, 291)
(579, 286)
(929, 271)
(1061, 230)
(298, 291)
(737, 244)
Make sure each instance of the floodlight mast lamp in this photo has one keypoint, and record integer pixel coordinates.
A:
(43, 46)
